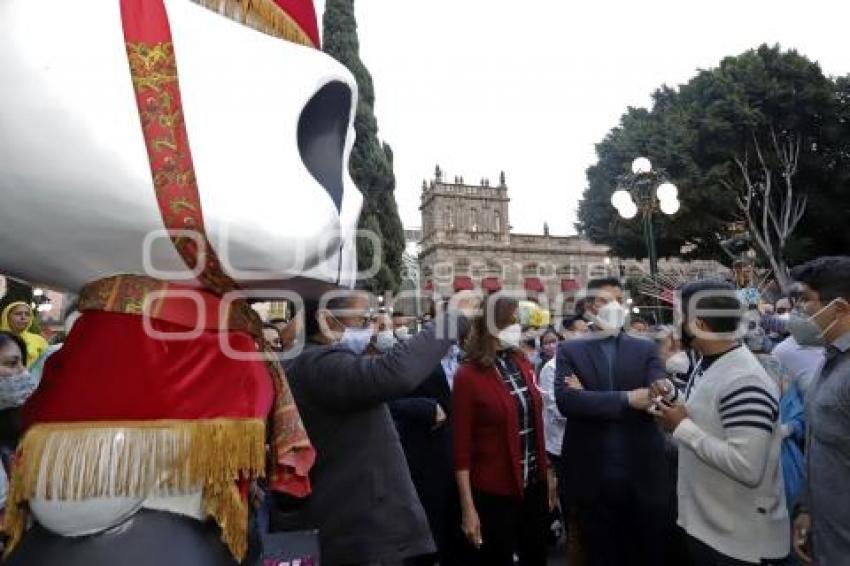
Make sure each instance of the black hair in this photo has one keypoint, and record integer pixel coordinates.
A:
(549, 330)
(580, 308)
(311, 312)
(11, 422)
(829, 276)
(270, 325)
(569, 323)
(714, 295)
(596, 284)
(8, 337)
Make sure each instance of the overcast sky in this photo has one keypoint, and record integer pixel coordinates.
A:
(529, 86)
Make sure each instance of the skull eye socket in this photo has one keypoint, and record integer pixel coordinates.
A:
(322, 129)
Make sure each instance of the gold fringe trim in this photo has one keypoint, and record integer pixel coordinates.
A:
(262, 15)
(74, 461)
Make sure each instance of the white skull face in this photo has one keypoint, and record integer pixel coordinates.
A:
(269, 126)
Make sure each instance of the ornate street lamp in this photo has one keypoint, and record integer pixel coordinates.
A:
(646, 190)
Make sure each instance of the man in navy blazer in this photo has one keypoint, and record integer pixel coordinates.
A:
(614, 467)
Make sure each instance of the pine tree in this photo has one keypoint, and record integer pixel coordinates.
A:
(371, 162)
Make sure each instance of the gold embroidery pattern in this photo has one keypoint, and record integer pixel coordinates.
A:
(153, 68)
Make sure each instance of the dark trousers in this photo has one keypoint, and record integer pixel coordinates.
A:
(439, 497)
(556, 464)
(619, 529)
(704, 555)
(510, 526)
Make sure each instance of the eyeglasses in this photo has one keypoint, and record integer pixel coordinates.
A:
(355, 320)
(362, 321)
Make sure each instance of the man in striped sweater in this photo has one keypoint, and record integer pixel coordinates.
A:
(730, 492)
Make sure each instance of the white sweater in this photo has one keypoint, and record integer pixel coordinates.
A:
(731, 494)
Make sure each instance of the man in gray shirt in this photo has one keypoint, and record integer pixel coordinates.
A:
(822, 523)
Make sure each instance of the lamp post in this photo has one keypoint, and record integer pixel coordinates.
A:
(646, 190)
(40, 301)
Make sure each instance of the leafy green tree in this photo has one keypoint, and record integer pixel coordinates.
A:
(696, 133)
(371, 162)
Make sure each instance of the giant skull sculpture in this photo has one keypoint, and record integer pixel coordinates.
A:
(269, 124)
(93, 134)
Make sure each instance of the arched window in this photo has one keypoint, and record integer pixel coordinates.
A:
(447, 219)
(497, 222)
(473, 218)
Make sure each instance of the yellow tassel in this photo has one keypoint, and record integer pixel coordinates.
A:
(261, 15)
(224, 503)
(74, 461)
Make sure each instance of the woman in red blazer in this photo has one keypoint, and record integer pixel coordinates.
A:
(499, 446)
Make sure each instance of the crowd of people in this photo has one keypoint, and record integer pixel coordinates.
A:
(724, 441)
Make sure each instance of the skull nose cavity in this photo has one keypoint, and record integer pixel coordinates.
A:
(322, 129)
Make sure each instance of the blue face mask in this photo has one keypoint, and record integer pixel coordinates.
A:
(356, 340)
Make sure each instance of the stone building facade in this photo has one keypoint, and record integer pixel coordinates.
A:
(466, 242)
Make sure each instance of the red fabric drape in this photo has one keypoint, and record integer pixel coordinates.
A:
(109, 369)
(304, 14)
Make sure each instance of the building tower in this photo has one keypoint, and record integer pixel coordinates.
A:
(453, 211)
(461, 225)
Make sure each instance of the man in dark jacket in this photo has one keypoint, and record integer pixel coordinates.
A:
(423, 419)
(363, 501)
(615, 472)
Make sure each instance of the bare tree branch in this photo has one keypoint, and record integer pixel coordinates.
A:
(772, 215)
(800, 210)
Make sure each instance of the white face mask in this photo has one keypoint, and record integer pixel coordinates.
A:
(385, 341)
(16, 389)
(678, 363)
(612, 316)
(510, 336)
(403, 334)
